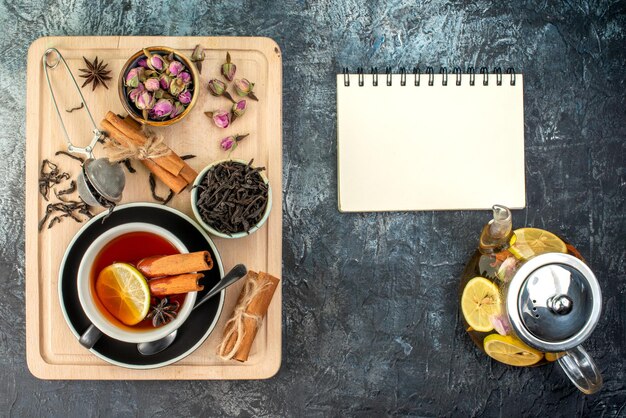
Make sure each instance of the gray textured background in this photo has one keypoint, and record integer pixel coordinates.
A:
(371, 324)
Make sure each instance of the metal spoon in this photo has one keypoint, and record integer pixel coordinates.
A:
(157, 346)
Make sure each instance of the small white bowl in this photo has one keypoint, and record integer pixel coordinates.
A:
(194, 206)
(86, 296)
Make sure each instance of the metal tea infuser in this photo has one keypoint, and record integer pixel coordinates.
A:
(100, 182)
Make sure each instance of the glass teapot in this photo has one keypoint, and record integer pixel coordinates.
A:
(528, 299)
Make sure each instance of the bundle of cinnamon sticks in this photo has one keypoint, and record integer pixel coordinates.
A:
(169, 168)
(252, 305)
(175, 274)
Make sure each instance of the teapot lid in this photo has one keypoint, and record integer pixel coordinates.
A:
(554, 302)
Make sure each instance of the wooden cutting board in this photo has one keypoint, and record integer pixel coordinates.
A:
(52, 350)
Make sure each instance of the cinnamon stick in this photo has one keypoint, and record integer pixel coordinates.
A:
(175, 285)
(188, 173)
(170, 265)
(175, 183)
(257, 308)
(171, 162)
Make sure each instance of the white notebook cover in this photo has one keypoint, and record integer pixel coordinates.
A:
(427, 147)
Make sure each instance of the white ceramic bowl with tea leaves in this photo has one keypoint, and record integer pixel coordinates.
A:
(209, 224)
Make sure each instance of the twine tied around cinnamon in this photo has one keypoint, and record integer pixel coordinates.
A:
(152, 148)
(235, 324)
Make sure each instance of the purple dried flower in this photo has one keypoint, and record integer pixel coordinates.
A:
(134, 93)
(132, 77)
(230, 142)
(164, 81)
(175, 68)
(162, 108)
(185, 97)
(238, 109)
(227, 143)
(143, 62)
(185, 77)
(145, 101)
(178, 109)
(152, 84)
(221, 118)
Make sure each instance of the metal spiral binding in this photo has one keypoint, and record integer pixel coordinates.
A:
(431, 75)
(498, 72)
(417, 74)
(485, 72)
(472, 76)
(511, 72)
(457, 73)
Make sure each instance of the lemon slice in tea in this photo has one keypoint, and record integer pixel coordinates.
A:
(509, 350)
(480, 300)
(124, 292)
(528, 242)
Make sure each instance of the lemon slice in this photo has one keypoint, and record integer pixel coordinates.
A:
(528, 242)
(554, 356)
(480, 300)
(509, 350)
(124, 292)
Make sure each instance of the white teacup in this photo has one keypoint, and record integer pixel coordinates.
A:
(86, 296)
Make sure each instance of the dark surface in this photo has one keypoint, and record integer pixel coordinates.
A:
(371, 323)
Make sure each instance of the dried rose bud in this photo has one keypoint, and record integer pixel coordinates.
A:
(228, 68)
(185, 76)
(132, 77)
(230, 142)
(178, 109)
(134, 93)
(145, 101)
(238, 109)
(152, 84)
(221, 118)
(198, 56)
(218, 88)
(185, 97)
(227, 143)
(154, 61)
(177, 86)
(175, 68)
(161, 109)
(165, 81)
(244, 88)
(143, 62)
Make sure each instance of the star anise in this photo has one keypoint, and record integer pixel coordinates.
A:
(163, 312)
(95, 73)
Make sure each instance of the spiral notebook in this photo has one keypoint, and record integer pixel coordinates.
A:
(430, 141)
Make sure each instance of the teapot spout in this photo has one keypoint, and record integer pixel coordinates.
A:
(496, 234)
(502, 223)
